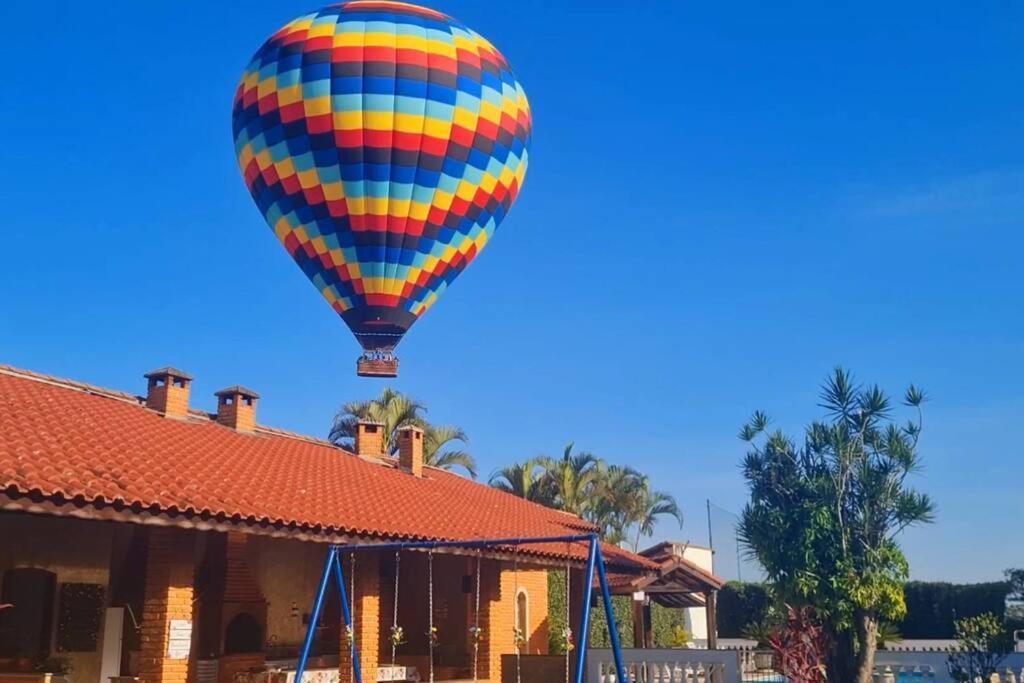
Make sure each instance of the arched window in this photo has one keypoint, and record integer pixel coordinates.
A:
(523, 613)
(243, 634)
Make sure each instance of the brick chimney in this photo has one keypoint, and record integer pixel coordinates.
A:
(167, 391)
(236, 408)
(410, 450)
(370, 438)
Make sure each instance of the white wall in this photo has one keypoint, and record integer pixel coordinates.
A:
(696, 617)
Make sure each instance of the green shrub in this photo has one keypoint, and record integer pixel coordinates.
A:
(740, 604)
(932, 608)
(984, 644)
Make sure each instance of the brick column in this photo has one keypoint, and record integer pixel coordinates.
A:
(497, 617)
(535, 582)
(169, 592)
(366, 617)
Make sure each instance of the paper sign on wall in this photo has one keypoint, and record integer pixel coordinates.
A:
(179, 639)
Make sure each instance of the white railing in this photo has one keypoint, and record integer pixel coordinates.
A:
(665, 666)
(725, 666)
(930, 666)
(926, 674)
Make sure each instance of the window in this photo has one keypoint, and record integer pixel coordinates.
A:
(523, 613)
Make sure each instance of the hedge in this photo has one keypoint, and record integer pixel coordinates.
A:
(663, 620)
(933, 607)
(740, 604)
(931, 610)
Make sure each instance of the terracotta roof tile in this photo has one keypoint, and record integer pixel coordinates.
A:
(63, 439)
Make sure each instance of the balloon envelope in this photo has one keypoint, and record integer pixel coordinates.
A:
(383, 143)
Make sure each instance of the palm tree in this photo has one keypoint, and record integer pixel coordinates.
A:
(573, 479)
(650, 505)
(395, 410)
(435, 438)
(615, 505)
(525, 480)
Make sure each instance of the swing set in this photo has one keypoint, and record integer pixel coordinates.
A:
(333, 568)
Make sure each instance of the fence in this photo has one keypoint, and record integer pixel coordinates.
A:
(749, 665)
(665, 666)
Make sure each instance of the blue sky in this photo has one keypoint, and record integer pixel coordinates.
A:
(724, 201)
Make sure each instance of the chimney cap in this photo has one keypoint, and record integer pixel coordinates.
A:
(375, 423)
(237, 390)
(166, 371)
(411, 428)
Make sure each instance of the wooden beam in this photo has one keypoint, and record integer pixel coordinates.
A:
(648, 626)
(711, 609)
(639, 627)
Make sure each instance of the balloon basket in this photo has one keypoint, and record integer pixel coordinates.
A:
(384, 364)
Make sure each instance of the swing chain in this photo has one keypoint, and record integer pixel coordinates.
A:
(350, 632)
(520, 627)
(476, 620)
(396, 631)
(432, 633)
(567, 634)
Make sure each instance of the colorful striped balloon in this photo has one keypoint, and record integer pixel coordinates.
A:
(384, 143)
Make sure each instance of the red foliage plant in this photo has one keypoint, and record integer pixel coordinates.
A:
(800, 646)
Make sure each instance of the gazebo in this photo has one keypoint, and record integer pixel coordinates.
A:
(679, 583)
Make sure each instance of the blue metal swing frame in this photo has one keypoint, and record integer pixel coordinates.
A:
(595, 560)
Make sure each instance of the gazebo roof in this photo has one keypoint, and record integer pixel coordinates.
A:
(678, 582)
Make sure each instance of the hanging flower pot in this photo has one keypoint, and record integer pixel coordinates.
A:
(397, 636)
(567, 641)
(519, 638)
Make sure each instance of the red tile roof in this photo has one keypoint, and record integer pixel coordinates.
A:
(74, 444)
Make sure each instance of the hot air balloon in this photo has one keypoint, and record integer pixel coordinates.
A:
(383, 143)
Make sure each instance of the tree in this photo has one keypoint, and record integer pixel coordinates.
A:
(572, 479)
(435, 438)
(983, 645)
(650, 505)
(395, 410)
(525, 480)
(619, 500)
(823, 514)
(1015, 599)
(616, 505)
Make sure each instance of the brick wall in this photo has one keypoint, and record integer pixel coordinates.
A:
(169, 595)
(229, 666)
(504, 584)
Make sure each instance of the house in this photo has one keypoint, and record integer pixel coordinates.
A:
(141, 537)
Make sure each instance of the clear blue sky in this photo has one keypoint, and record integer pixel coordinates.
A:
(724, 201)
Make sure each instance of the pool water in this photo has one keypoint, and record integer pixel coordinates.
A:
(901, 677)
